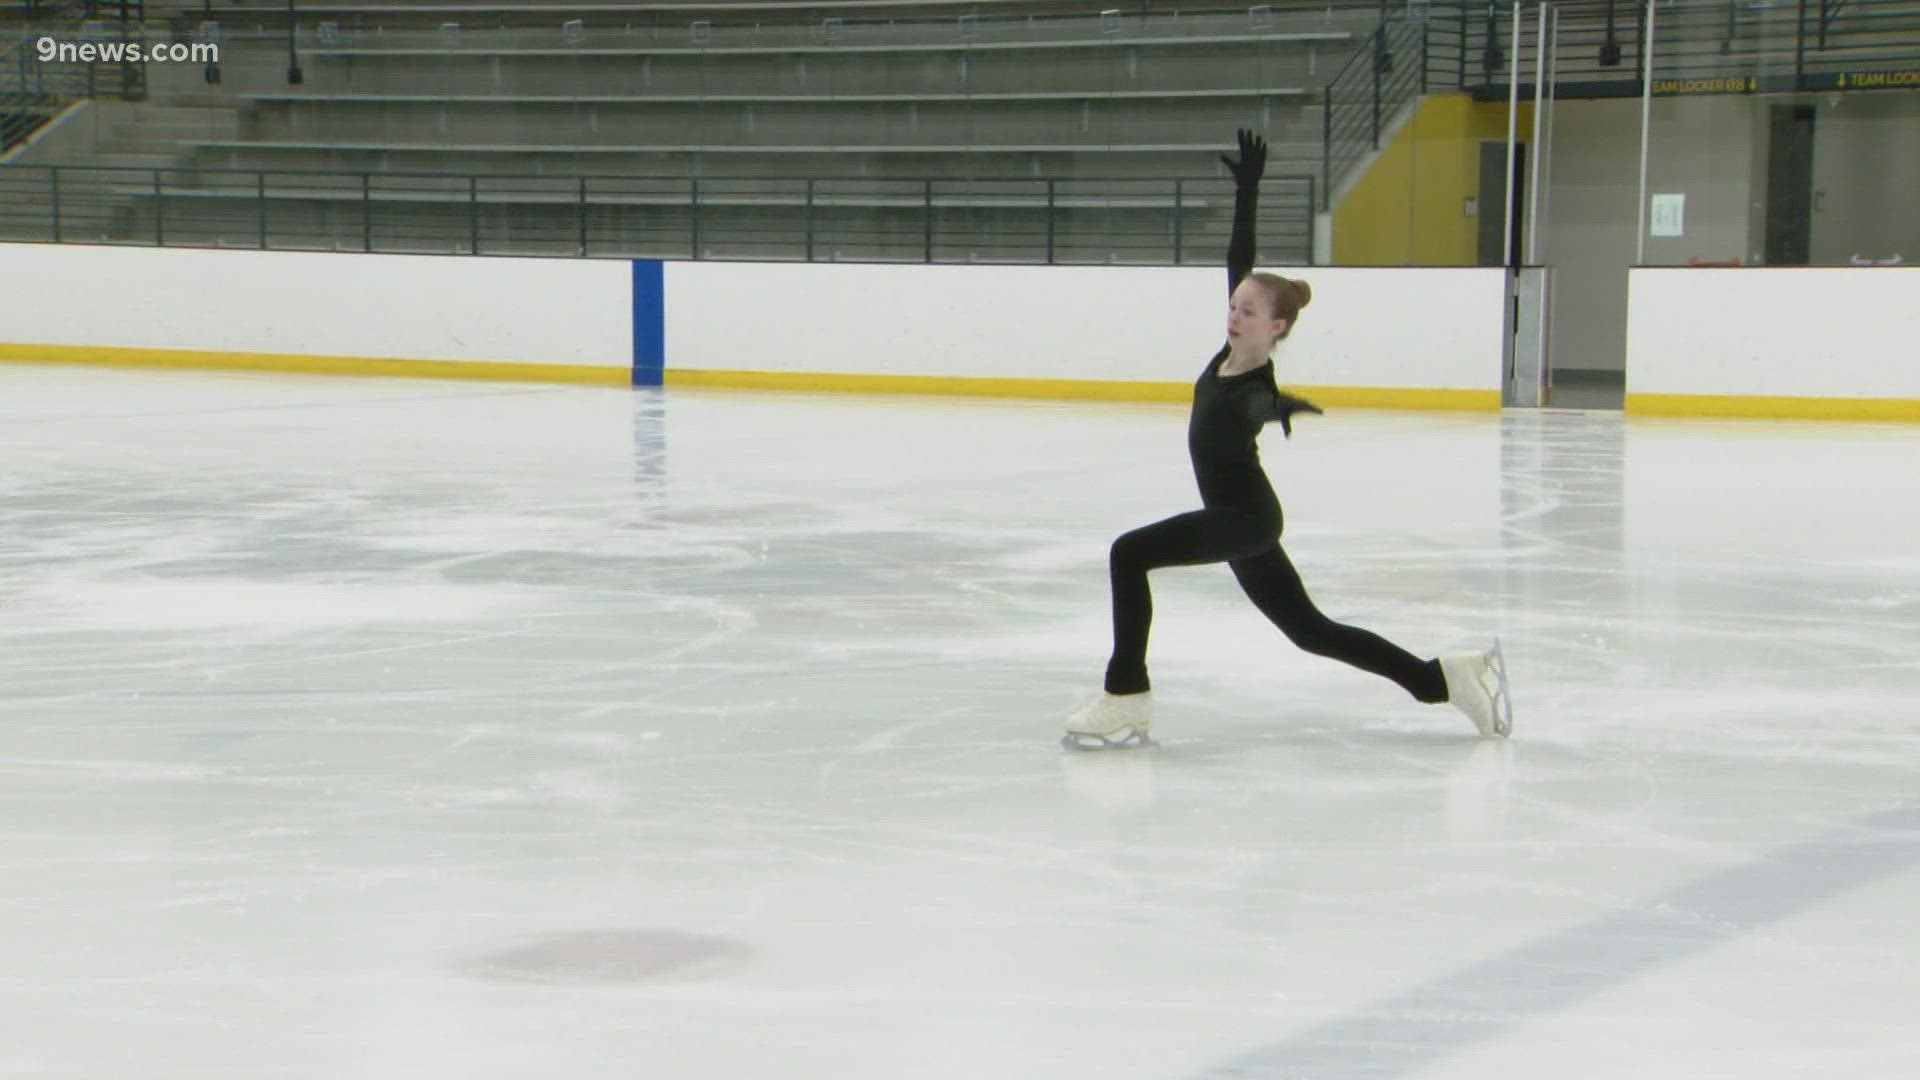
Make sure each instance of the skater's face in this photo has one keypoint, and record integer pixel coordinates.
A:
(1252, 326)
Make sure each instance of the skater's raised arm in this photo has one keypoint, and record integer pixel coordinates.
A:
(1247, 170)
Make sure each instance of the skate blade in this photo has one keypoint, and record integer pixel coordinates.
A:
(1131, 740)
(1502, 696)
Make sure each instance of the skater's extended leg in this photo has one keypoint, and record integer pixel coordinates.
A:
(1213, 535)
(1273, 584)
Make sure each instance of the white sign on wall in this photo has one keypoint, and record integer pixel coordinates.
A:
(1669, 215)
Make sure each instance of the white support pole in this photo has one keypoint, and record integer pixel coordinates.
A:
(1539, 119)
(1646, 124)
(1513, 134)
(1545, 148)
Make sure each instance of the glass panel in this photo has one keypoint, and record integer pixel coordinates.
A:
(1776, 134)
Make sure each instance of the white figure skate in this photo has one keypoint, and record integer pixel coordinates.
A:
(1111, 722)
(1477, 686)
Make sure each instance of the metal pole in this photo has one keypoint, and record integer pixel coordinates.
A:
(1513, 136)
(1640, 44)
(1464, 34)
(809, 219)
(1539, 118)
(1646, 120)
(260, 195)
(928, 197)
(1179, 219)
(294, 75)
(366, 211)
(1378, 39)
(1542, 186)
(1313, 227)
(1050, 186)
(126, 66)
(1545, 146)
(583, 217)
(210, 72)
(693, 196)
(1800, 48)
(1326, 144)
(1423, 56)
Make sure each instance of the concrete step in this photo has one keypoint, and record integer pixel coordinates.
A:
(776, 128)
(1086, 149)
(115, 159)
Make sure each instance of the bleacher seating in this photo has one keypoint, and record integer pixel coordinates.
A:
(423, 111)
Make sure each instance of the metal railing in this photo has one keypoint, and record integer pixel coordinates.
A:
(33, 89)
(1811, 46)
(1044, 221)
(604, 26)
(62, 11)
(1399, 61)
(1411, 51)
(1784, 47)
(31, 92)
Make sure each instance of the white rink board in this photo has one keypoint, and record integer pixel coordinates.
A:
(405, 307)
(1414, 328)
(1774, 332)
(1371, 328)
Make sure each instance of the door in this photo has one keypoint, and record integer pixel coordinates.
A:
(1789, 238)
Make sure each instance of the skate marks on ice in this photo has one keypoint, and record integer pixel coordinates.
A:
(1407, 1034)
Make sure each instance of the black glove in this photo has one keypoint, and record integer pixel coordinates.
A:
(1285, 405)
(1253, 160)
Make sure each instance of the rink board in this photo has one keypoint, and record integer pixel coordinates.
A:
(1775, 343)
(558, 320)
(1389, 338)
(1829, 343)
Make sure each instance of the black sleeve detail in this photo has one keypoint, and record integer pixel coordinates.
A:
(1240, 249)
(1267, 404)
(1262, 405)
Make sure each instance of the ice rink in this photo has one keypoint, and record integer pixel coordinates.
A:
(403, 729)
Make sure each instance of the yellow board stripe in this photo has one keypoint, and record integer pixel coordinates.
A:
(1773, 408)
(944, 386)
(1356, 397)
(193, 359)
(1065, 389)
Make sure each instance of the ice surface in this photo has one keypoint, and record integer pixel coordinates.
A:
(406, 729)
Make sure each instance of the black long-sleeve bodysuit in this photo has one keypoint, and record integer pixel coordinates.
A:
(1239, 525)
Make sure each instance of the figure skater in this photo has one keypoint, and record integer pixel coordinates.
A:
(1239, 522)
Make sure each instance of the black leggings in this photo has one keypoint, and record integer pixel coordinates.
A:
(1246, 538)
